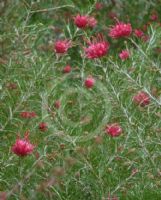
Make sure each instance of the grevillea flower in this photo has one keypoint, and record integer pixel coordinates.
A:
(43, 126)
(62, 46)
(120, 30)
(89, 82)
(67, 69)
(112, 15)
(138, 33)
(145, 27)
(92, 22)
(99, 6)
(23, 147)
(81, 21)
(97, 48)
(154, 17)
(57, 104)
(27, 114)
(158, 50)
(145, 38)
(141, 98)
(3, 196)
(113, 130)
(125, 54)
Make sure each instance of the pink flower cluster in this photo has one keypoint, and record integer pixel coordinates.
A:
(67, 69)
(141, 98)
(23, 147)
(89, 82)
(62, 46)
(43, 126)
(97, 48)
(124, 55)
(27, 114)
(120, 30)
(138, 33)
(113, 130)
(83, 21)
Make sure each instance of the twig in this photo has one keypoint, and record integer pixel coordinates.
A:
(51, 9)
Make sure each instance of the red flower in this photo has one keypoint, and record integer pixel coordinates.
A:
(27, 114)
(57, 104)
(84, 21)
(120, 30)
(43, 126)
(145, 27)
(124, 54)
(113, 130)
(97, 48)
(81, 21)
(158, 50)
(154, 17)
(145, 38)
(33, 114)
(92, 22)
(99, 6)
(23, 147)
(89, 82)
(141, 98)
(62, 46)
(67, 69)
(138, 33)
(3, 196)
(112, 15)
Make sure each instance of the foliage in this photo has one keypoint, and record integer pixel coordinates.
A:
(74, 158)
